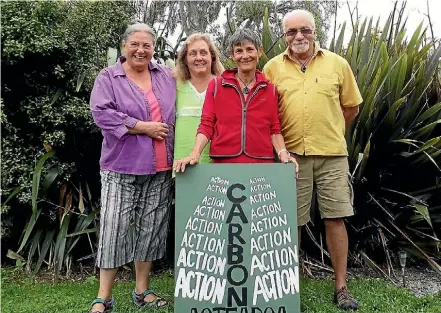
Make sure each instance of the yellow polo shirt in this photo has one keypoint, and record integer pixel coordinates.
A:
(311, 116)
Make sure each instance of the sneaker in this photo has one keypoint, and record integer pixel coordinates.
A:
(344, 300)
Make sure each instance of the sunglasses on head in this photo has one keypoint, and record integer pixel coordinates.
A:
(304, 31)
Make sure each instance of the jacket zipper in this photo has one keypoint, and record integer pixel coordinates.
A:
(244, 110)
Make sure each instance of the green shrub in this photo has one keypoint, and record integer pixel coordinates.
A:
(51, 54)
(394, 145)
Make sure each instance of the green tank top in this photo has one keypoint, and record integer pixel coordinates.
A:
(189, 104)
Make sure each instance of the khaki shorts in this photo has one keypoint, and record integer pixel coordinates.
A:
(329, 174)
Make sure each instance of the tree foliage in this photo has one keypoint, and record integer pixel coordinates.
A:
(51, 52)
(185, 16)
(249, 14)
(221, 18)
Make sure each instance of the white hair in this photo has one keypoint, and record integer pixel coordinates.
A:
(139, 27)
(298, 12)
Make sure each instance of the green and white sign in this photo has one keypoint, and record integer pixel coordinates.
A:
(236, 239)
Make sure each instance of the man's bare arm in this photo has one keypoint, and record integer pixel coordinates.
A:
(350, 113)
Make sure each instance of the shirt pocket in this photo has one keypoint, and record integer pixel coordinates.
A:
(327, 85)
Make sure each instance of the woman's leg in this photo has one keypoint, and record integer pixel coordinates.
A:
(107, 276)
(152, 219)
(142, 276)
(118, 194)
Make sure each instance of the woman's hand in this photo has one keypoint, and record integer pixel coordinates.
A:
(192, 159)
(156, 130)
(286, 157)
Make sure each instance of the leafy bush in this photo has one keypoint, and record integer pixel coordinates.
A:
(51, 54)
(394, 145)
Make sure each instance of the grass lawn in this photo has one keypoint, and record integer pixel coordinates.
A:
(316, 296)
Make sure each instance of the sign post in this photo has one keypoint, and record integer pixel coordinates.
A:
(236, 239)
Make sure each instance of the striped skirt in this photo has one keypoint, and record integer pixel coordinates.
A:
(135, 214)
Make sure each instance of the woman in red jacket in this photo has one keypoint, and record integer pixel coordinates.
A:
(240, 113)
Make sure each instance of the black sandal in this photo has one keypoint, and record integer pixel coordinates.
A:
(139, 299)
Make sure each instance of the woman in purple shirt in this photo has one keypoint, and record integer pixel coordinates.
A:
(133, 102)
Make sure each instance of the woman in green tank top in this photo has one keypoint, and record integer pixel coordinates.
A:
(198, 62)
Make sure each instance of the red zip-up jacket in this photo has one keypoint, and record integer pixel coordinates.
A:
(240, 130)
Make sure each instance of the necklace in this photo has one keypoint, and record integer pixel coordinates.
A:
(245, 89)
(303, 67)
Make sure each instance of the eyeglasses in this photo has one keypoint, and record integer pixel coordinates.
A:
(304, 31)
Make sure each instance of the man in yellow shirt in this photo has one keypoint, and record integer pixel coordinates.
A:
(319, 98)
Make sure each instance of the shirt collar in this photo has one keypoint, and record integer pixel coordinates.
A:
(119, 70)
(317, 50)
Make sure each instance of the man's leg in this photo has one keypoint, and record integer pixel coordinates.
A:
(337, 241)
(333, 194)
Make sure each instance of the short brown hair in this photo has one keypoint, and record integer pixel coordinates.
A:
(181, 71)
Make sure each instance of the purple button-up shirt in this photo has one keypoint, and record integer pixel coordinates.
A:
(117, 103)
